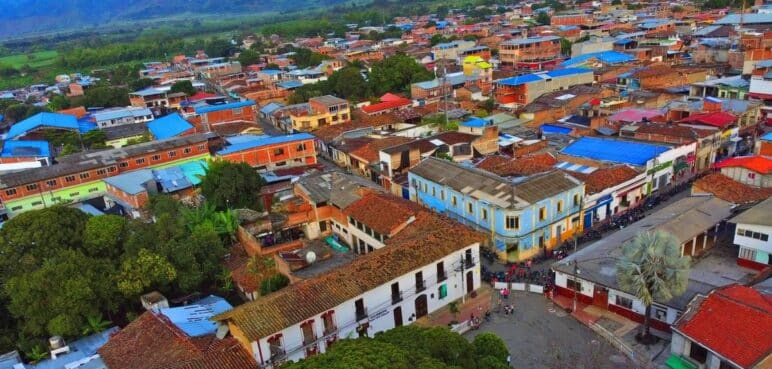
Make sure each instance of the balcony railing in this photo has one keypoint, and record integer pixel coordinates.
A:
(307, 340)
(469, 263)
(396, 297)
(420, 285)
(443, 275)
(332, 329)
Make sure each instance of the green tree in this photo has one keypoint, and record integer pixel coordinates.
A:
(248, 57)
(396, 74)
(146, 271)
(616, 2)
(543, 18)
(104, 97)
(231, 185)
(95, 324)
(29, 238)
(273, 283)
(565, 46)
(141, 84)
(95, 139)
(490, 345)
(349, 84)
(104, 236)
(652, 269)
(73, 287)
(58, 102)
(305, 58)
(218, 47)
(185, 87)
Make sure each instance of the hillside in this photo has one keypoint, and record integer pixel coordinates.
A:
(20, 17)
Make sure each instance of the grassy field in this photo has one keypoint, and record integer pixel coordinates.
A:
(35, 60)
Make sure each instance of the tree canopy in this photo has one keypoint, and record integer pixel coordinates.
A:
(410, 347)
(652, 268)
(231, 185)
(185, 87)
(396, 74)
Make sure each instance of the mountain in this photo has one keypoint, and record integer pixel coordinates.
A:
(20, 17)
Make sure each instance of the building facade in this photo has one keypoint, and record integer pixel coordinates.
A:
(322, 111)
(523, 218)
(267, 153)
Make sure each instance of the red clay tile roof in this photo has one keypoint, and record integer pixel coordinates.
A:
(730, 190)
(733, 321)
(673, 131)
(381, 212)
(369, 152)
(386, 105)
(604, 178)
(453, 137)
(77, 112)
(756, 163)
(716, 119)
(153, 342)
(430, 238)
(523, 166)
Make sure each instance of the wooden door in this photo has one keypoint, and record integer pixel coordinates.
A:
(398, 316)
(600, 297)
(469, 282)
(421, 307)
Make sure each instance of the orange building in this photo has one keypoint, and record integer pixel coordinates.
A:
(268, 153)
(208, 116)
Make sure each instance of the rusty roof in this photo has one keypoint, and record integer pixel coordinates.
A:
(381, 212)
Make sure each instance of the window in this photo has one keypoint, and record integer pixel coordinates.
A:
(426, 189)
(454, 201)
(573, 285)
(101, 172)
(659, 313)
(73, 194)
(469, 208)
(359, 307)
(69, 179)
(434, 192)
(420, 285)
(16, 208)
(576, 199)
(236, 111)
(93, 189)
(748, 254)
(543, 213)
(85, 175)
(51, 182)
(442, 292)
(513, 222)
(123, 164)
(442, 195)
(187, 150)
(698, 353)
(484, 214)
(155, 157)
(10, 192)
(32, 187)
(278, 151)
(111, 169)
(560, 206)
(301, 147)
(172, 154)
(201, 147)
(624, 302)
(37, 203)
(441, 276)
(396, 294)
(140, 161)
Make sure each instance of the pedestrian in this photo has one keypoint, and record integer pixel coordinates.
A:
(509, 360)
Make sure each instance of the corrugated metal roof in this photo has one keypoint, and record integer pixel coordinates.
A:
(246, 142)
(194, 319)
(41, 120)
(169, 126)
(25, 149)
(617, 151)
(234, 105)
(609, 57)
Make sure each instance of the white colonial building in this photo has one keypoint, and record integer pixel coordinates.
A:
(752, 232)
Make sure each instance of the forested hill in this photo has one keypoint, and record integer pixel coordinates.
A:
(19, 17)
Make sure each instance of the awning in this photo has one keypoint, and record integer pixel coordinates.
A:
(678, 362)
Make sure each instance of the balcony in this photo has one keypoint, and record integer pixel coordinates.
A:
(420, 286)
(443, 275)
(307, 340)
(396, 298)
(278, 355)
(469, 263)
(329, 330)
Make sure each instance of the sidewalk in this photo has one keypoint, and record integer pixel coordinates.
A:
(477, 306)
(619, 331)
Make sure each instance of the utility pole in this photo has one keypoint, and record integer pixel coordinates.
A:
(463, 289)
(576, 282)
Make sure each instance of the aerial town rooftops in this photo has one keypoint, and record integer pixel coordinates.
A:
(730, 190)
(542, 76)
(530, 40)
(219, 107)
(43, 120)
(612, 150)
(757, 163)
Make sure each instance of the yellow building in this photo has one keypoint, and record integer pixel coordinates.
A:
(322, 111)
(476, 65)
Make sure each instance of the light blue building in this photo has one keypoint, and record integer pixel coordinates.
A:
(522, 216)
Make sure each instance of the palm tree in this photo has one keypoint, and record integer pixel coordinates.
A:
(95, 324)
(226, 224)
(652, 268)
(36, 354)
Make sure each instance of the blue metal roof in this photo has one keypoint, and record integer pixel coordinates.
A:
(530, 40)
(520, 80)
(233, 105)
(194, 170)
(25, 149)
(767, 136)
(549, 128)
(80, 349)
(567, 72)
(617, 151)
(246, 142)
(476, 122)
(608, 57)
(271, 107)
(89, 209)
(290, 84)
(169, 126)
(171, 179)
(623, 42)
(751, 18)
(132, 182)
(194, 319)
(273, 72)
(43, 120)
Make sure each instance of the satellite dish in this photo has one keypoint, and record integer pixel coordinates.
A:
(310, 257)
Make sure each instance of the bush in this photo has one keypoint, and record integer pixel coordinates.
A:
(274, 283)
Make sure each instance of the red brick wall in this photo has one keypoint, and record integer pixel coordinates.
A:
(230, 115)
(136, 201)
(265, 155)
